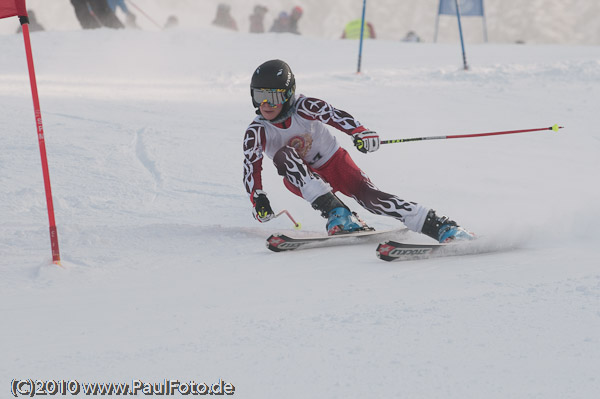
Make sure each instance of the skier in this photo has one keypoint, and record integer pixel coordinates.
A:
(292, 131)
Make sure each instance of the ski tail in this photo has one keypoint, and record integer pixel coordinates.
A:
(392, 251)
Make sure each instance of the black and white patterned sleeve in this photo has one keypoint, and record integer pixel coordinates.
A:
(316, 109)
(254, 144)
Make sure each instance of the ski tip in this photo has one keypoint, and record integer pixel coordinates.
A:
(275, 241)
(555, 127)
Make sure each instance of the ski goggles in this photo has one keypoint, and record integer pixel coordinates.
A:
(273, 97)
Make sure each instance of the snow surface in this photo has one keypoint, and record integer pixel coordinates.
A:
(165, 273)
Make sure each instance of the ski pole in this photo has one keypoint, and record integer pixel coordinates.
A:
(297, 226)
(144, 14)
(554, 128)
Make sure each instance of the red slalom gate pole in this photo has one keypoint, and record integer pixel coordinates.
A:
(553, 128)
(41, 142)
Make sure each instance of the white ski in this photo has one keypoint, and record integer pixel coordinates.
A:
(399, 251)
(281, 242)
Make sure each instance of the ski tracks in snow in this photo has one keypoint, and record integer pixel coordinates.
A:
(143, 155)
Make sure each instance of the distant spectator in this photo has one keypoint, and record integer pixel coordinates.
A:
(34, 25)
(281, 23)
(411, 37)
(352, 30)
(287, 22)
(224, 18)
(294, 17)
(84, 15)
(94, 14)
(257, 19)
(129, 16)
(172, 22)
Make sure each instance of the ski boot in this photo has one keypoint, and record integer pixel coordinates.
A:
(444, 230)
(339, 218)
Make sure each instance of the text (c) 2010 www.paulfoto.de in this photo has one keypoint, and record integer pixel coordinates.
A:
(31, 388)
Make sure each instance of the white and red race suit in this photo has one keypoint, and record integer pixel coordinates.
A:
(312, 162)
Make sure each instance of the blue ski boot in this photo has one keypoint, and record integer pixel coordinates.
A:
(339, 218)
(444, 230)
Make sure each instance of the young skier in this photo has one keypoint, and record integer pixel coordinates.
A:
(292, 131)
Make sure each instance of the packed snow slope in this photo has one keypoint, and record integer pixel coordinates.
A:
(165, 273)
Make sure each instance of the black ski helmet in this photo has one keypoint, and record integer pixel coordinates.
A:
(274, 74)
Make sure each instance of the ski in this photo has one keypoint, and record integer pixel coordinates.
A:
(399, 251)
(281, 242)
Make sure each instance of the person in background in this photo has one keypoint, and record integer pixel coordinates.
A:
(287, 23)
(352, 30)
(281, 24)
(411, 37)
(172, 22)
(257, 19)
(93, 14)
(294, 18)
(34, 25)
(224, 18)
(129, 16)
(84, 15)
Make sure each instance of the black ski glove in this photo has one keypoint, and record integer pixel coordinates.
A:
(262, 208)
